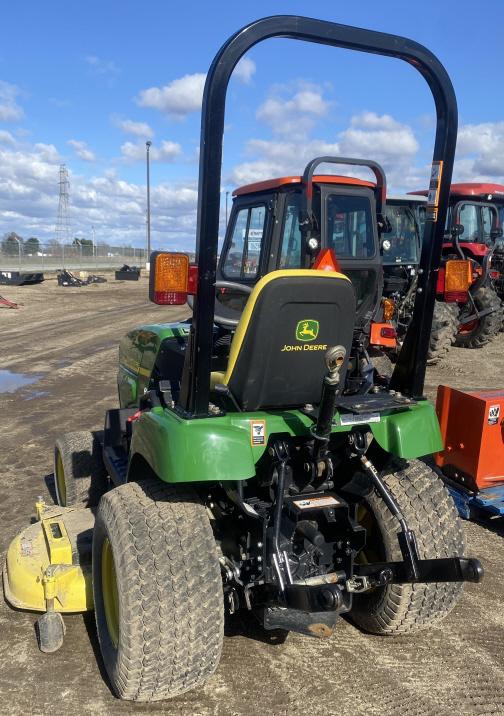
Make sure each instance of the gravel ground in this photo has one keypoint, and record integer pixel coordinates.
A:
(68, 338)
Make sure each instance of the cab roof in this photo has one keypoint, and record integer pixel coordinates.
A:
(471, 189)
(280, 182)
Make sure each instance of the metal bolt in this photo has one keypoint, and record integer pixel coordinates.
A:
(259, 544)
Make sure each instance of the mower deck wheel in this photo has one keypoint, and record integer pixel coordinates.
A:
(157, 588)
(80, 477)
(430, 513)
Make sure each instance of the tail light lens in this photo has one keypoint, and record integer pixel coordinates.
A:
(169, 278)
(458, 277)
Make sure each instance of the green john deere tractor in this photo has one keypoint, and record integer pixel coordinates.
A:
(247, 468)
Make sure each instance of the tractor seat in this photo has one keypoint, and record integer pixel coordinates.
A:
(276, 358)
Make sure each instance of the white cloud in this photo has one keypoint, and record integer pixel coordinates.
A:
(293, 112)
(165, 152)
(10, 111)
(378, 137)
(139, 129)
(116, 208)
(178, 98)
(278, 158)
(480, 152)
(100, 66)
(82, 150)
(6, 137)
(244, 70)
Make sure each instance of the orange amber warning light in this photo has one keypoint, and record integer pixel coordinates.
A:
(171, 278)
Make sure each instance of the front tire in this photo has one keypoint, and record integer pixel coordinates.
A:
(157, 590)
(429, 511)
(80, 477)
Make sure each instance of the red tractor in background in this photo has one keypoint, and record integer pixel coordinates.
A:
(473, 228)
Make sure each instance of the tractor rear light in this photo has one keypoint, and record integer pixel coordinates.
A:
(388, 309)
(494, 275)
(327, 261)
(458, 278)
(192, 279)
(169, 278)
(440, 285)
(388, 332)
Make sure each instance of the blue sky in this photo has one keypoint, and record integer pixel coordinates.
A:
(87, 83)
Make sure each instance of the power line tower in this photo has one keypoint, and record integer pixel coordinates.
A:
(62, 230)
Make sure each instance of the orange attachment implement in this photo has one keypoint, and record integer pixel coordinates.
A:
(472, 427)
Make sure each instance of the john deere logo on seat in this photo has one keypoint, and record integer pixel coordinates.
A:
(307, 330)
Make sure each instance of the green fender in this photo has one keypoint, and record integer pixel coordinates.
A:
(220, 448)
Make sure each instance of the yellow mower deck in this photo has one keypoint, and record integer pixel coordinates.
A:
(51, 560)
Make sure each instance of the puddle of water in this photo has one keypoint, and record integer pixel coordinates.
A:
(10, 382)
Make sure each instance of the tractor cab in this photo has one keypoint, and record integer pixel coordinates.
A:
(401, 240)
(269, 229)
(312, 221)
(474, 219)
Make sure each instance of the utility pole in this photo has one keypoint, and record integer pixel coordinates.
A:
(95, 255)
(62, 230)
(19, 250)
(227, 194)
(148, 146)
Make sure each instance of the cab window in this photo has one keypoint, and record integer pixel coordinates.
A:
(468, 217)
(242, 259)
(290, 250)
(402, 239)
(349, 226)
(487, 221)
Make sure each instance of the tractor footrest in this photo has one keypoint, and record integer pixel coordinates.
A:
(116, 462)
(374, 402)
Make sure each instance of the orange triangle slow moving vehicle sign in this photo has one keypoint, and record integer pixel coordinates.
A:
(327, 261)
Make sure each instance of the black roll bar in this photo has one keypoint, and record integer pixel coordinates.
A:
(409, 373)
(381, 182)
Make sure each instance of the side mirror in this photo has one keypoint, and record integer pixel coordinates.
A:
(457, 230)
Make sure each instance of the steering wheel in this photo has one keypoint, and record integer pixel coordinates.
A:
(226, 320)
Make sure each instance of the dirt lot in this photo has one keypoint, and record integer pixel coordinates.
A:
(68, 337)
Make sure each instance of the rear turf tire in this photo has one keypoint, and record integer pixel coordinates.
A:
(80, 477)
(430, 513)
(484, 330)
(157, 587)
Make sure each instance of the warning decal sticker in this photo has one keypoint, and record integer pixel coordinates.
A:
(493, 414)
(434, 186)
(257, 432)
